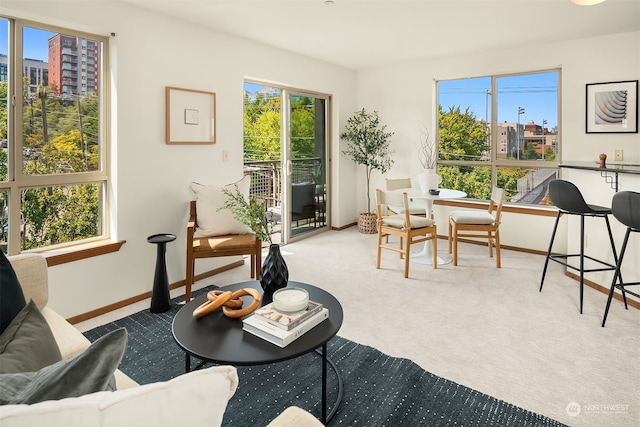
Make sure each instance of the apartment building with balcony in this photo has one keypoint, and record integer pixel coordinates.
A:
(73, 65)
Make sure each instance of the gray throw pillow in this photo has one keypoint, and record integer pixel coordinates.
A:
(27, 344)
(11, 295)
(88, 372)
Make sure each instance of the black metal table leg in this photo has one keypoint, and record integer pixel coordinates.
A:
(324, 383)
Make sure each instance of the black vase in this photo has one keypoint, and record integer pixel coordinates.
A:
(274, 274)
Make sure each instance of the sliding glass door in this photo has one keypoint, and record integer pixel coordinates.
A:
(305, 151)
(285, 152)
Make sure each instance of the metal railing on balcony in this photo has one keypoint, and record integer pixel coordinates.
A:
(266, 184)
(266, 177)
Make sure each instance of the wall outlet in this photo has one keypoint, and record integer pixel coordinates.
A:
(225, 155)
(617, 155)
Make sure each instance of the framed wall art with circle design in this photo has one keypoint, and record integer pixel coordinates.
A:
(612, 107)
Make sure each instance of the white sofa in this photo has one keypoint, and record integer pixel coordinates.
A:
(198, 398)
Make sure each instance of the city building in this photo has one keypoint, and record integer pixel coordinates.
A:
(35, 69)
(530, 135)
(73, 65)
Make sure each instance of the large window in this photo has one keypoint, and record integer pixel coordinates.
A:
(500, 131)
(53, 169)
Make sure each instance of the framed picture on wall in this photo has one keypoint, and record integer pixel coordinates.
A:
(612, 107)
(190, 116)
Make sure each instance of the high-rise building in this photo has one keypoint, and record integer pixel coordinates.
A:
(73, 65)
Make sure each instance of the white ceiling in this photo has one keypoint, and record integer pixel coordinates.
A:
(359, 34)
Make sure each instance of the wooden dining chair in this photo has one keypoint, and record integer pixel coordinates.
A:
(392, 184)
(478, 225)
(409, 228)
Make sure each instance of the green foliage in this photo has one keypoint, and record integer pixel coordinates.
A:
(262, 133)
(475, 181)
(250, 212)
(461, 136)
(3, 110)
(66, 213)
(55, 215)
(302, 128)
(262, 128)
(368, 145)
(508, 178)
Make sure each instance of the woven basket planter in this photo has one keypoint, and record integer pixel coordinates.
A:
(367, 223)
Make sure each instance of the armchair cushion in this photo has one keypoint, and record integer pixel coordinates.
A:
(11, 296)
(85, 373)
(211, 220)
(27, 344)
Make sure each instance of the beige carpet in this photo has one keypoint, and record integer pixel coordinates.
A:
(486, 328)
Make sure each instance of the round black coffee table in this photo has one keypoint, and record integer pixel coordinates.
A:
(218, 339)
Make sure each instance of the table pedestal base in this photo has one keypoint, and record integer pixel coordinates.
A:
(424, 256)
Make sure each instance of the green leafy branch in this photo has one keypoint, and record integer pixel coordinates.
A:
(249, 212)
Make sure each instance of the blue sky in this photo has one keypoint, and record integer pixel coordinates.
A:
(35, 44)
(536, 93)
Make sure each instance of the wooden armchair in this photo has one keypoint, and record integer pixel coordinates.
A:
(218, 246)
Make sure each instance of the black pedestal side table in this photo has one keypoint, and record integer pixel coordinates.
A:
(160, 299)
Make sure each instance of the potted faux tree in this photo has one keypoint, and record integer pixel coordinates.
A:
(368, 145)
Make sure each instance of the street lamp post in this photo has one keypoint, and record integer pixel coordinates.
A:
(544, 139)
(520, 112)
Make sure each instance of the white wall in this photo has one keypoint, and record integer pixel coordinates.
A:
(150, 192)
(150, 52)
(404, 95)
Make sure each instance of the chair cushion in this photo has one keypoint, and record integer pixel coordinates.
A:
(28, 331)
(413, 210)
(212, 220)
(397, 221)
(224, 243)
(472, 217)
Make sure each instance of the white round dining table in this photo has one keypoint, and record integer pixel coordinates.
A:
(424, 256)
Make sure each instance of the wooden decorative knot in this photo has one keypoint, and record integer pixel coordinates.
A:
(231, 303)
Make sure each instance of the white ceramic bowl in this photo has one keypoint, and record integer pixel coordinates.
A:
(290, 300)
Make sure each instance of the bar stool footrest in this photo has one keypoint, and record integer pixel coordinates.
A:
(559, 259)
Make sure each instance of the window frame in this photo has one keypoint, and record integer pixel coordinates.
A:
(494, 162)
(17, 181)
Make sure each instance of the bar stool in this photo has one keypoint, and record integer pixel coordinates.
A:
(625, 207)
(568, 199)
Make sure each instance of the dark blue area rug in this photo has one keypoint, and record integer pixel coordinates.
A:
(379, 390)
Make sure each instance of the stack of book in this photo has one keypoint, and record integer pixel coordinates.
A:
(282, 329)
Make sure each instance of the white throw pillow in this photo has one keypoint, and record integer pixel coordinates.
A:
(198, 398)
(214, 222)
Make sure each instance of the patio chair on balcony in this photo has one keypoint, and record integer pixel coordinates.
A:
(303, 201)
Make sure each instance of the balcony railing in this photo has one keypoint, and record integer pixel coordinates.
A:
(266, 177)
(266, 184)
